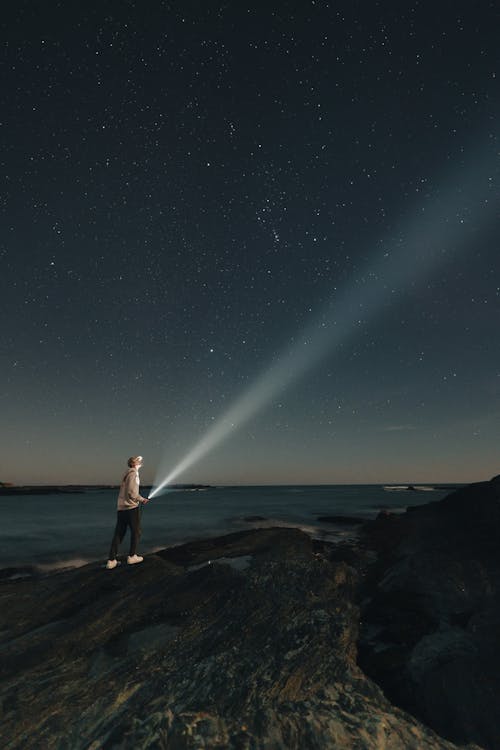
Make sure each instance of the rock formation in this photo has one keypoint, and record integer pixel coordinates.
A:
(431, 616)
(255, 649)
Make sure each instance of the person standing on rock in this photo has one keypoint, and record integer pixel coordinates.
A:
(128, 514)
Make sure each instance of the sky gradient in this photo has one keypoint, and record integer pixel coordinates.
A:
(195, 194)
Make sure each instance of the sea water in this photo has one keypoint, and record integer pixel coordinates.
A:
(72, 529)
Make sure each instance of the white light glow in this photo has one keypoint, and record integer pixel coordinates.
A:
(431, 238)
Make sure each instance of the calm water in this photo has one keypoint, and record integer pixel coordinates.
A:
(72, 529)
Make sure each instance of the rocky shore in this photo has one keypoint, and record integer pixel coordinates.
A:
(267, 639)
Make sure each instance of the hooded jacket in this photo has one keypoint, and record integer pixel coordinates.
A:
(129, 496)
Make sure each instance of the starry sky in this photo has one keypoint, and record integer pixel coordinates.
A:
(188, 187)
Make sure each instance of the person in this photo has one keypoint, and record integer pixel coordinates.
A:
(128, 514)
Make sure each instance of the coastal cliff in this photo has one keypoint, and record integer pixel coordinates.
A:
(267, 639)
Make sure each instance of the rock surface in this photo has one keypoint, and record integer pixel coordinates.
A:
(342, 520)
(431, 614)
(180, 653)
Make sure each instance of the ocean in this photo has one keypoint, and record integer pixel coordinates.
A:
(60, 530)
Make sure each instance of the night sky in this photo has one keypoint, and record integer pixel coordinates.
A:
(192, 190)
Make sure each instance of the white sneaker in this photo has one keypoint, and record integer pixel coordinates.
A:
(134, 559)
(111, 564)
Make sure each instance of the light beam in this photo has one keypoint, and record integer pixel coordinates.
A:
(433, 236)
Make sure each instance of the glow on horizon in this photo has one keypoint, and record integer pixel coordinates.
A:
(432, 237)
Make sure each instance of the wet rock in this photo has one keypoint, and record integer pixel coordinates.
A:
(273, 542)
(341, 520)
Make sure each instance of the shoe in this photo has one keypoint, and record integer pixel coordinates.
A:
(111, 564)
(134, 559)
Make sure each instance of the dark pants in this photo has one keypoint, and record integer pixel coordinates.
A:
(126, 518)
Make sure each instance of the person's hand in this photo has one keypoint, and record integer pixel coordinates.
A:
(145, 500)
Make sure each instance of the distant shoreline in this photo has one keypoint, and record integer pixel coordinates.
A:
(79, 489)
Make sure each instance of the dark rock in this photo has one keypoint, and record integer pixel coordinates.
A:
(23, 571)
(157, 656)
(432, 611)
(342, 520)
(271, 542)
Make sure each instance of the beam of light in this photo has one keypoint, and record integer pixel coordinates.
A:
(431, 238)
